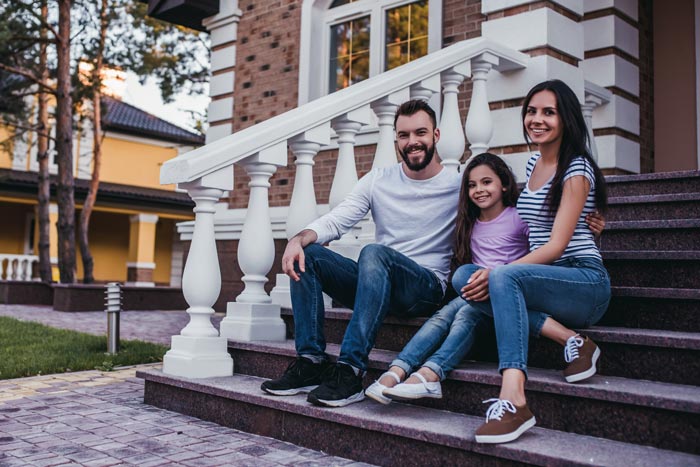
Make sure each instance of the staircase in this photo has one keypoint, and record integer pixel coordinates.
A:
(643, 407)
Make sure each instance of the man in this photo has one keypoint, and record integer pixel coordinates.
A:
(413, 205)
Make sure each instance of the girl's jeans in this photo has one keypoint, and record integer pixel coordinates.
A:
(443, 340)
(575, 292)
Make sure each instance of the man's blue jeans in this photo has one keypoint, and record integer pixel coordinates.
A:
(444, 340)
(382, 281)
(575, 292)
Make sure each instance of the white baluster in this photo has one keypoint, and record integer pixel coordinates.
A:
(345, 177)
(253, 316)
(199, 352)
(452, 141)
(385, 109)
(479, 125)
(302, 206)
(12, 268)
(425, 89)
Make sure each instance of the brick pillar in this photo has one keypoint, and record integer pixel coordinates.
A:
(142, 243)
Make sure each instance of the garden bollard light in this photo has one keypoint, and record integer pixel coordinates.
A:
(113, 305)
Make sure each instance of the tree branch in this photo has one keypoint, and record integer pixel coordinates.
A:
(27, 74)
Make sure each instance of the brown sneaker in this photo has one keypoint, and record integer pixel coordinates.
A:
(504, 422)
(581, 354)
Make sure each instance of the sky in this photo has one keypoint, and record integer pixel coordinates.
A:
(147, 97)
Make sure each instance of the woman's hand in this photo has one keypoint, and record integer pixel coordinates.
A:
(596, 222)
(477, 288)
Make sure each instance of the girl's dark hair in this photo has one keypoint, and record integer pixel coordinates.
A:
(468, 212)
(574, 143)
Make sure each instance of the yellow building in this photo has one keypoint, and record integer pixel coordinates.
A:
(132, 233)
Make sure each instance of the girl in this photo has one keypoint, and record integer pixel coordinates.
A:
(489, 233)
(563, 275)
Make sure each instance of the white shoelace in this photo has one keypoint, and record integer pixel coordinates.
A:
(498, 408)
(571, 349)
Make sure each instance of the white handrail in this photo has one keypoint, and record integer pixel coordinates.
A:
(17, 267)
(279, 129)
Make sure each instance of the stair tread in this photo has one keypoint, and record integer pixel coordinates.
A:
(539, 445)
(651, 255)
(653, 224)
(659, 198)
(653, 176)
(611, 334)
(655, 292)
(669, 396)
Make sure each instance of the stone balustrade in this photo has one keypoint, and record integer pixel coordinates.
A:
(17, 267)
(199, 351)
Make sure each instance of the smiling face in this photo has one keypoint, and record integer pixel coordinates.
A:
(542, 122)
(486, 191)
(416, 138)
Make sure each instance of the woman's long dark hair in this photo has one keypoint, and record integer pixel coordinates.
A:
(468, 212)
(574, 142)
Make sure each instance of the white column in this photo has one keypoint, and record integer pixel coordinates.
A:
(199, 352)
(253, 316)
(452, 141)
(479, 125)
(302, 206)
(587, 110)
(385, 109)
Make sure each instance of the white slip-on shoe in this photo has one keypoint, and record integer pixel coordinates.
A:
(415, 391)
(374, 391)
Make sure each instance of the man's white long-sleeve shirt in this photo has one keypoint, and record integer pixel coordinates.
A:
(414, 217)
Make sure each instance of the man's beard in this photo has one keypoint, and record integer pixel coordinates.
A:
(423, 163)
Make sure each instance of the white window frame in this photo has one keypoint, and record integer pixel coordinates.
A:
(314, 49)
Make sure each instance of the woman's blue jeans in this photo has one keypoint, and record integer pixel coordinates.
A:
(381, 282)
(575, 292)
(448, 336)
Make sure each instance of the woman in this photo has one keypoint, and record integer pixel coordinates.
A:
(563, 275)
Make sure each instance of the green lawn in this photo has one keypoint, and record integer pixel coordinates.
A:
(30, 349)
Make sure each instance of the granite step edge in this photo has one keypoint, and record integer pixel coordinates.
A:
(652, 199)
(611, 334)
(539, 446)
(642, 393)
(655, 292)
(653, 224)
(651, 255)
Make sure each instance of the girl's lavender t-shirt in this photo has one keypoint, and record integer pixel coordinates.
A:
(499, 241)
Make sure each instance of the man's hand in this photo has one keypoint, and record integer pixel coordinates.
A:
(596, 222)
(294, 253)
(477, 288)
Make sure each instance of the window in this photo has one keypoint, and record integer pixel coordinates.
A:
(346, 41)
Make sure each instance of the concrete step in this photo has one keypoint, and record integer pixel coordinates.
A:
(653, 184)
(663, 206)
(657, 355)
(607, 407)
(398, 434)
(654, 235)
(655, 269)
(670, 309)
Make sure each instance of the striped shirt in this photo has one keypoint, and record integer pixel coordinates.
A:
(532, 209)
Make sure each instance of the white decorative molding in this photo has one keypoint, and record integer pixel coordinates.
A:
(221, 84)
(220, 109)
(222, 59)
(611, 70)
(141, 265)
(223, 26)
(618, 152)
(611, 31)
(507, 127)
(618, 113)
(506, 86)
(537, 28)
(628, 7)
(218, 131)
(141, 140)
(489, 6)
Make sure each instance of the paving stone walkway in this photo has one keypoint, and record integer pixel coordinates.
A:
(96, 418)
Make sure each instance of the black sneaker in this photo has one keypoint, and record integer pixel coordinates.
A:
(302, 375)
(339, 388)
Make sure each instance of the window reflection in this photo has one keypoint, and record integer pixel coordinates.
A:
(406, 34)
(349, 62)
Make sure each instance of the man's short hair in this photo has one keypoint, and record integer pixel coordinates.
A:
(412, 107)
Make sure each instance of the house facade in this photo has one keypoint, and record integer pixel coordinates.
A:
(132, 231)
